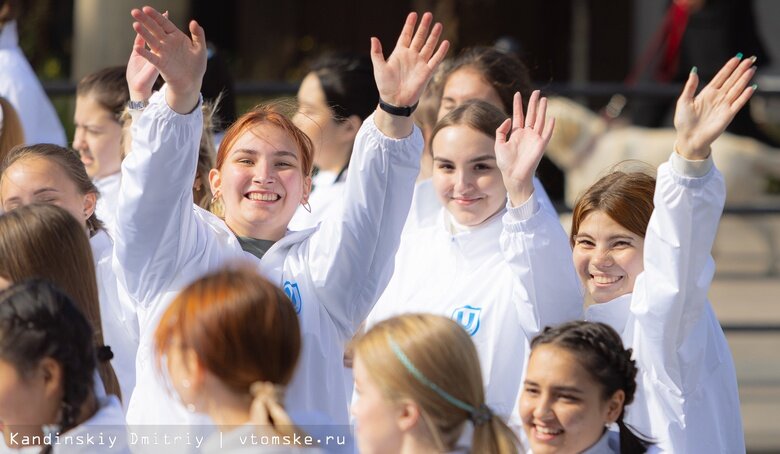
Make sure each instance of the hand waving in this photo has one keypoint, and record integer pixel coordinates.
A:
(180, 59)
(701, 119)
(518, 157)
(141, 74)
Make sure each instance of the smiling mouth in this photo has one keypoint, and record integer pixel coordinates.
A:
(546, 433)
(605, 280)
(465, 200)
(262, 197)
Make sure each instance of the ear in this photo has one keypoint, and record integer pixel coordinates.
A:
(90, 202)
(306, 190)
(51, 373)
(615, 405)
(215, 180)
(408, 415)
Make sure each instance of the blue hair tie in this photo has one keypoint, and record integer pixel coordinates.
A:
(478, 416)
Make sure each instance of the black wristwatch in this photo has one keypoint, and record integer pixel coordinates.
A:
(401, 111)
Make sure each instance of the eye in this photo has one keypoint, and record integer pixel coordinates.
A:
(531, 390)
(582, 242)
(482, 167)
(622, 244)
(446, 166)
(569, 398)
(244, 161)
(284, 164)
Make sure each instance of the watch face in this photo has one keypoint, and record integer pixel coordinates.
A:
(137, 105)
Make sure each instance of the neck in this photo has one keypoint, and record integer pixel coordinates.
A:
(412, 444)
(228, 409)
(258, 233)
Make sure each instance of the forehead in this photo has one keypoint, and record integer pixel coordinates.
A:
(600, 224)
(311, 91)
(467, 83)
(264, 138)
(29, 174)
(556, 366)
(88, 109)
(460, 142)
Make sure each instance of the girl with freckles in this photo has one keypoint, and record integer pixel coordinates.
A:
(332, 274)
(641, 248)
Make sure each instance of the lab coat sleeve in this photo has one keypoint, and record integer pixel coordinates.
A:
(351, 256)
(156, 229)
(536, 248)
(670, 296)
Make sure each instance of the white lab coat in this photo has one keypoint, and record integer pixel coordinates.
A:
(20, 86)
(117, 314)
(686, 395)
(108, 187)
(333, 274)
(326, 197)
(482, 278)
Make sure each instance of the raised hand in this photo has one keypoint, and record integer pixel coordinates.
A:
(402, 78)
(518, 157)
(140, 74)
(699, 120)
(181, 60)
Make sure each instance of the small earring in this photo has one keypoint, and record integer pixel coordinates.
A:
(190, 408)
(216, 197)
(306, 206)
(185, 383)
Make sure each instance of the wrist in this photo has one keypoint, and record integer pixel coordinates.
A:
(397, 110)
(690, 150)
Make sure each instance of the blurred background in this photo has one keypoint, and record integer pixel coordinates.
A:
(621, 58)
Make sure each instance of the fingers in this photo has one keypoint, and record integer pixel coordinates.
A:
(430, 44)
(502, 131)
(517, 111)
(161, 20)
(530, 116)
(548, 130)
(438, 57)
(146, 36)
(405, 39)
(743, 98)
(139, 41)
(689, 90)
(739, 79)
(148, 55)
(149, 24)
(541, 112)
(422, 32)
(725, 72)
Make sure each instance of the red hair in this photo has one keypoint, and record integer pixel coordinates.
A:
(242, 328)
(267, 114)
(625, 197)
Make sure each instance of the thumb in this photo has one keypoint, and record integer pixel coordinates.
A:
(198, 34)
(377, 58)
(502, 131)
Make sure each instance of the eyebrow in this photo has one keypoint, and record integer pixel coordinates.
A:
(612, 238)
(42, 190)
(567, 389)
(486, 157)
(277, 153)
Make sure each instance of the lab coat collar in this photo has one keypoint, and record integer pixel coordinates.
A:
(9, 38)
(472, 240)
(609, 443)
(614, 313)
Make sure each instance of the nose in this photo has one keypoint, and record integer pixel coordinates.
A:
(463, 182)
(264, 173)
(543, 410)
(603, 258)
(78, 139)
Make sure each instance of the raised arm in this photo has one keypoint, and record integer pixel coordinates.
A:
(352, 256)
(670, 297)
(155, 218)
(534, 244)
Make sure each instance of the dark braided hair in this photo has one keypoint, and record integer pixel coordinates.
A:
(600, 351)
(38, 321)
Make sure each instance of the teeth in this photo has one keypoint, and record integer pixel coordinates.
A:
(606, 279)
(263, 197)
(548, 431)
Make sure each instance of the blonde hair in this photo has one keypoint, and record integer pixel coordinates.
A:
(431, 360)
(11, 131)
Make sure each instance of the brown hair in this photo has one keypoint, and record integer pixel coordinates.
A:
(478, 115)
(242, 328)
(108, 87)
(504, 72)
(68, 160)
(444, 354)
(11, 131)
(625, 197)
(45, 241)
(268, 114)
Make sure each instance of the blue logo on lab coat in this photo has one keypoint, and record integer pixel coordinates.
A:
(468, 318)
(292, 292)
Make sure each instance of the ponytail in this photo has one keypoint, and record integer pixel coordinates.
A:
(494, 437)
